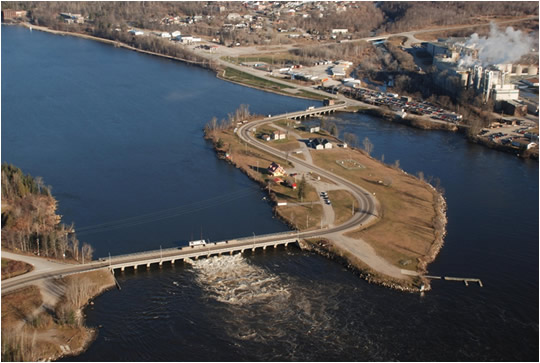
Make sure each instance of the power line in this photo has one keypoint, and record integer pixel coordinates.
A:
(166, 213)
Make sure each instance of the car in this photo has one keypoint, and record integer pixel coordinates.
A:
(328, 202)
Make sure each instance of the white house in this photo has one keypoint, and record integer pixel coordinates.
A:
(340, 31)
(176, 34)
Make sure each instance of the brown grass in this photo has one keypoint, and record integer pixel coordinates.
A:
(12, 268)
(342, 203)
(303, 217)
(19, 304)
(406, 230)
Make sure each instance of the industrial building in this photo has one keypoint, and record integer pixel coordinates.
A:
(458, 67)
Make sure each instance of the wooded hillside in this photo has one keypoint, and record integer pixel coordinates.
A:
(29, 220)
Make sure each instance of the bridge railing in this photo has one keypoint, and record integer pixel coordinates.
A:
(180, 248)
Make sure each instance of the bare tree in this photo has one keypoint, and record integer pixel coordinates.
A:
(368, 146)
(350, 139)
(87, 251)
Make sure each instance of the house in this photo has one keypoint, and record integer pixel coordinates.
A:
(339, 31)
(279, 135)
(165, 35)
(72, 18)
(275, 170)
(320, 144)
(314, 129)
(176, 34)
(266, 137)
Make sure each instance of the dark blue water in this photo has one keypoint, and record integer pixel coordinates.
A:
(119, 136)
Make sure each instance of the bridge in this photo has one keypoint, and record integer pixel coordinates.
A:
(310, 112)
(171, 255)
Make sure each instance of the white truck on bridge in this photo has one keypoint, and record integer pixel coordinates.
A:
(200, 242)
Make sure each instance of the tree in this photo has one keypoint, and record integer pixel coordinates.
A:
(87, 251)
(334, 129)
(368, 146)
(302, 188)
(350, 139)
(219, 143)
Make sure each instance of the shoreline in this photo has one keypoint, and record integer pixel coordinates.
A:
(119, 44)
(386, 114)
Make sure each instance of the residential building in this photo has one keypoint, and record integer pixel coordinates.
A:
(279, 135)
(275, 169)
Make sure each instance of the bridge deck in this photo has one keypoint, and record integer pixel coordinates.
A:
(210, 249)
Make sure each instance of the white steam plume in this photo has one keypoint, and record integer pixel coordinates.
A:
(501, 47)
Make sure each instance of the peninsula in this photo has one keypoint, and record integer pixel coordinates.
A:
(384, 222)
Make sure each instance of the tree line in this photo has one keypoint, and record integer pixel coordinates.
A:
(29, 220)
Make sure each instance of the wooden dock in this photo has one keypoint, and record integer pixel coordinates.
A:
(465, 280)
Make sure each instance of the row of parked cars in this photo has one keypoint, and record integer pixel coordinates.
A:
(393, 100)
(324, 196)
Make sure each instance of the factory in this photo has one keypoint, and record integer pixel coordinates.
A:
(458, 66)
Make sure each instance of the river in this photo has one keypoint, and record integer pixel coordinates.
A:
(119, 136)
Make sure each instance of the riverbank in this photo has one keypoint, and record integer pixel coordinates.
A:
(220, 71)
(46, 322)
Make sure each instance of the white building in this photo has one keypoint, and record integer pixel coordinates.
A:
(340, 31)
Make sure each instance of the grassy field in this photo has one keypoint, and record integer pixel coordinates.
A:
(406, 230)
(11, 268)
(275, 59)
(235, 75)
(304, 217)
(246, 78)
(342, 203)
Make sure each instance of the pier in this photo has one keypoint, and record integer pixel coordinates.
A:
(465, 280)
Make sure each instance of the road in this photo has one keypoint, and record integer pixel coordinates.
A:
(367, 205)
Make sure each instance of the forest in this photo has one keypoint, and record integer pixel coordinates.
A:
(29, 220)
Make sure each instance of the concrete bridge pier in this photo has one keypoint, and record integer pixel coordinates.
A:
(135, 267)
(264, 248)
(286, 244)
(160, 264)
(231, 253)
